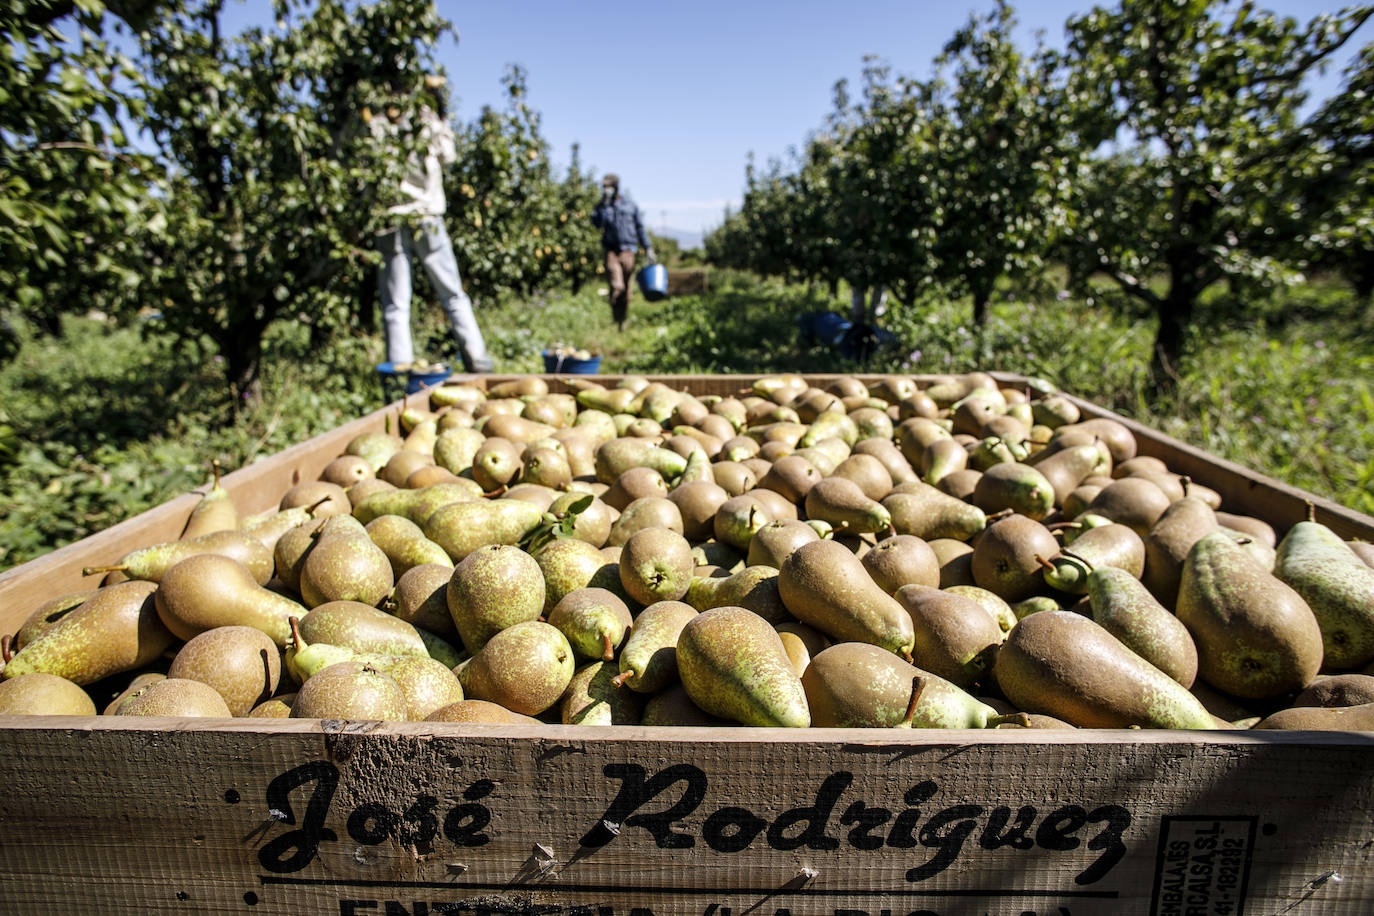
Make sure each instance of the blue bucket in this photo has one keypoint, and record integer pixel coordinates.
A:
(653, 282)
(556, 364)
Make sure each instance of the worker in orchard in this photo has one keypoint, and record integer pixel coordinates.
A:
(622, 235)
(419, 233)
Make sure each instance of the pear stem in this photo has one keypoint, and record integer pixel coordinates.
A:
(1079, 557)
(1311, 511)
(1043, 562)
(918, 686)
(296, 638)
(93, 570)
(310, 509)
(214, 469)
(1015, 718)
(609, 652)
(6, 648)
(620, 679)
(1001, 514)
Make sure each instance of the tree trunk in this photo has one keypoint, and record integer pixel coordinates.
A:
(242, 351)
(1175, 313)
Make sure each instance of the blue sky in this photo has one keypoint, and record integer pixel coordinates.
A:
(674, 96)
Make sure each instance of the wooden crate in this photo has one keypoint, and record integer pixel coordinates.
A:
(116, 815)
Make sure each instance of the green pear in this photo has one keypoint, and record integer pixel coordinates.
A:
(492, 588)
(404, 544)
(656, 565)
(955, 637)
(42, 694)
(1256, 637)
(594, 620)
(593, 699)
(1125, 608)
(733, 665)
(648, 659)
(214, 512)
(1337, 586)
(115, 630)
(345, 565)
(752, 587)
(152, 563)
(460, 528)
(919, 509)
(842, 503)
(525, 668)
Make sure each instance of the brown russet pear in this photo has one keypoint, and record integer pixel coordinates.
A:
(492, 588)
(843, 504)
(204, 592)
(1337, 586)
(346, 470)
(1125, 608)
(1135, 502)
(733, 665)
(420, 598)
(1256, 637)
(42, 694)
(136, 683)
(771, 544)
(902, 559)
(955, 637)
(177, 697)
(825, 585)
(1167, 543)
(480, 712)
(115, 630)
(857, 685)
(1062, 664)
(1009, 557)
(345, 565)
(1338, 690)
(242, 663)
(525, 668)
(1319, 718)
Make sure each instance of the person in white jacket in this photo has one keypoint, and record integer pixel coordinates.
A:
(421, 234)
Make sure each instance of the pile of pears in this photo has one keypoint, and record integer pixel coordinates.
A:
(940, 552)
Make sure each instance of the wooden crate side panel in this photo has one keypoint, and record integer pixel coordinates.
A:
(170, 817)
(254, 488)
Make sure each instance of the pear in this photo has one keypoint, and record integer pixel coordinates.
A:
(645, 512)
(1016, 486)
(955, 637)
(996, 606)
(569, 564)
(673, 708)
(1337, 586)
(345, 565)
(698, 501)
(1111, 544)
(525, 668)
(178, 697)
(1168, 541)
(885, 450)
(241, 663)
(617, 455)
(902, 559)
(492, 588)
(1126, 609)
(152, 563)
(290, 551)
(346, 470)
(456, 448)
(771, 543)
(373, 447)
(593, 699)
(1338, 690)
(648, 660)
(270, 527)
(47, 614)
(733, 665)
(857, 685)
(323, 498)
(842, 503)
(1067, 468)
(823, 584)
(592, 524)
(1010, 555)
(420, 598)
(136, 684)
(656, 565)
(594, 620)
(460, 528)
(404, 544)
(275, 708)
(115, 630)
(1315, 718)
(479, 712)
(350, 690)
(738, 519)
(1061, 664)
(415, 504)
(361, 628)
(919, 509)
(427, 684)
(1133, 501)
(1256, 637)
(942, 458)
(42, 694)
(214, 512)
(792, 476)
(752, 587)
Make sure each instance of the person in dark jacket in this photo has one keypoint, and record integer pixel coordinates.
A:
(622, 235)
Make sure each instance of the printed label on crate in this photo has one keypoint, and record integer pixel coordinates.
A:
(672, 813)
(1203, 866)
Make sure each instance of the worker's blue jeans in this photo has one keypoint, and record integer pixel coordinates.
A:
(430, 243)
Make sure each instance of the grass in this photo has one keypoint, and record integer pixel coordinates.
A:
(110, 421)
